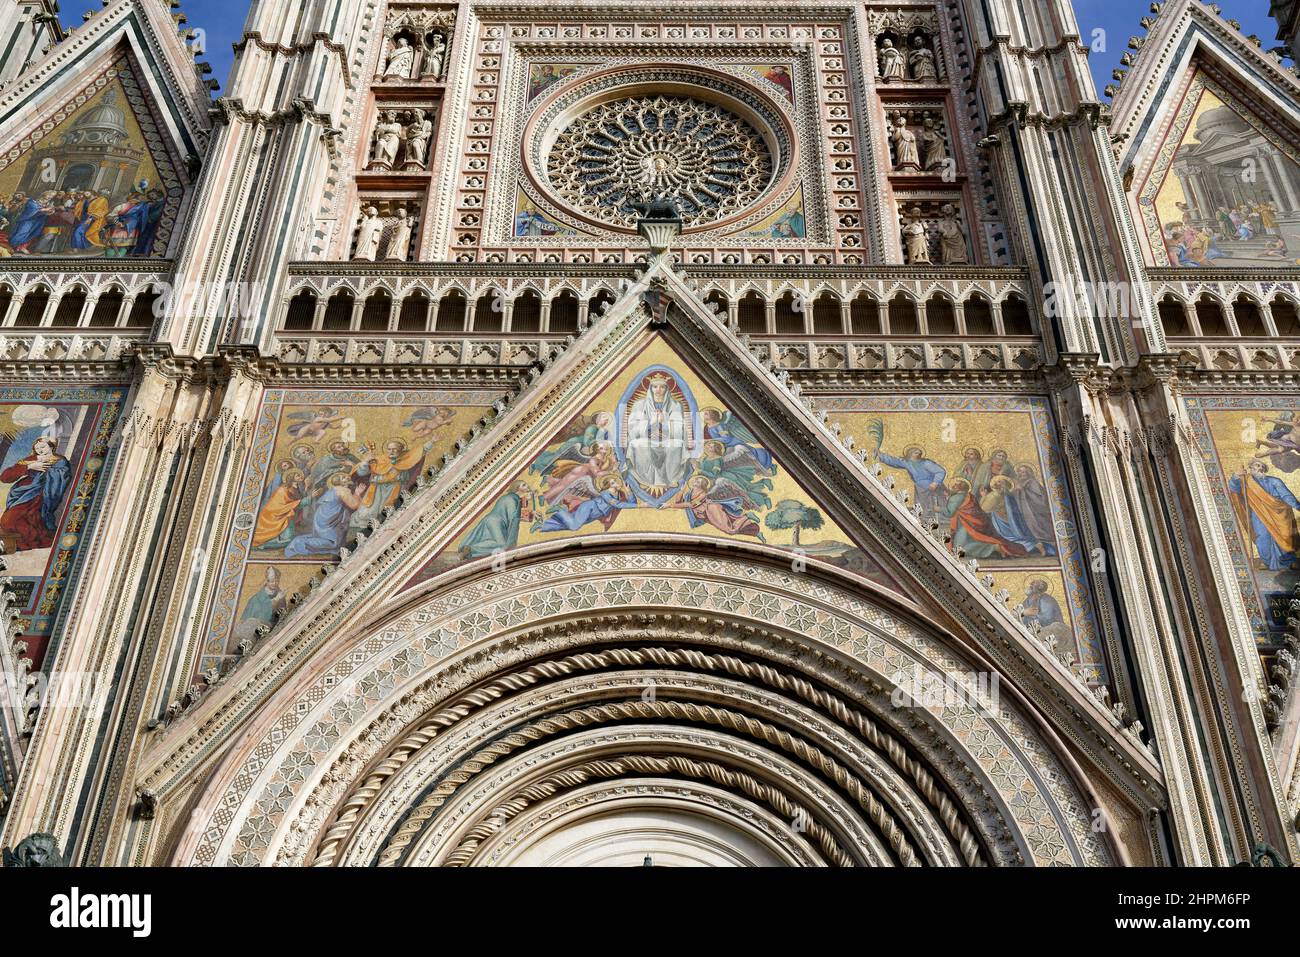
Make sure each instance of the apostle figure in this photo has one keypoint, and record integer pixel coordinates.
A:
(37, 486)
(437, 53)
(892, 61)
(927, 477)
(386, 475)
(952, 241)
(274, 527)
(1041, 609)
(1036, 508)
(93, 211)
(329, 520)
(656, 447)
(29, 226)
(498, 530)
(399, 247)
(369, 234)
(418, 135)
(905, 154)
(1266, 508)
(401, 59)
(933, 153)
(916, 240)
(920, 61)
(973, 532)
(388, 139)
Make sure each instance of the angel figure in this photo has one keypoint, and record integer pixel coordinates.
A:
(721, 504)
(569, 477)
(727, 429)
(738, 467)
(1282, 444)
(578, 442)
(310, 425)
(611, 496)
(428, 420)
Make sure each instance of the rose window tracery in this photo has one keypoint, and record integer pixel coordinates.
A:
(709, 161)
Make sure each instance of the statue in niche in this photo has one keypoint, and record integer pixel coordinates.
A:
(399, 247)
(401, 59)
(916, 241)
(933, 153)
(369, 234)
(436, 56)
(952, 240)
(418, 135)
(905, 154)
(893, 64)
(388, 139)
(920, 61)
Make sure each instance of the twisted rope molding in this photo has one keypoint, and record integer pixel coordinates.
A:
(359, 800)
(464, 853)
(596, 715)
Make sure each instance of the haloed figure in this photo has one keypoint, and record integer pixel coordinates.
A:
(38, 486)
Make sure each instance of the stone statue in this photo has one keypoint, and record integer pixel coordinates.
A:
(368, 235)
(418, 135)
(401, 59)
(388, 138)
(399, 247)
(921, 62)
(933, 152)
(915, 241)
(905, 155)
(35, 850)
(436, 55)
(892, 62)
(952, 241)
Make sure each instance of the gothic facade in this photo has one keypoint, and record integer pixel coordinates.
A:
(495, 433)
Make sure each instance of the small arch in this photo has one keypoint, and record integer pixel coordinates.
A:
(143, 310)
(489, 315)
(600, 302)
(1015, 316)
(564, 312)
(302, 310)
(1285, 318)
(940, 317)
(338, 313)
(526, 316)
(902, 316)
(375, 313)
(864, 315)
(1209, 313)
(451, 312)
(789, 315)
(826, 314)
(1250, 318)
(720, 302)
(33, 307)
(1173, 317)
(414, 314)
(751, 314)
(6, 298)
(979, 316)
(68, 312)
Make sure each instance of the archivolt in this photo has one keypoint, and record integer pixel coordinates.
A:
(489, 709)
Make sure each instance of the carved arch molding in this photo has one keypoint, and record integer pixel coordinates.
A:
(569, 708)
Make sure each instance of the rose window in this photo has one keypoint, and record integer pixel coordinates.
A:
(709, 161)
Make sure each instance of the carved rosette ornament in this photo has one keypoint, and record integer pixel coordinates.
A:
(710, 162)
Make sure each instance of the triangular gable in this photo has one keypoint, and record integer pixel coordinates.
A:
(93, 180)
(1224, 189)
(673, 461)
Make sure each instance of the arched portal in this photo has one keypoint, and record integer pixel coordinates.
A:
(587, 707)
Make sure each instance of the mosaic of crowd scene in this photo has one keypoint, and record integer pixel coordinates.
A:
(81, 222)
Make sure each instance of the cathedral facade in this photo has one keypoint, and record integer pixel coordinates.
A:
(492, 433)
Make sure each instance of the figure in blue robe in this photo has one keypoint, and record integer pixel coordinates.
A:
(1040, 607)
(151, 217)
(577, 447)
(603, 508)
(30, 224)
(498, 530)
(927, 477)
(1272, 508)
(329, 523)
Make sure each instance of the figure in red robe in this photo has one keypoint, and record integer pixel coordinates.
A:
(38, 485)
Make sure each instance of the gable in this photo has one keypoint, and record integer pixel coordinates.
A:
(1224, 189)
(614, 471)
(94, 178)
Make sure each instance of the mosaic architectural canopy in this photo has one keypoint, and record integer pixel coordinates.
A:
(725, 434)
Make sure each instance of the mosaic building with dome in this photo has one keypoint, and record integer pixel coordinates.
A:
(711, 433)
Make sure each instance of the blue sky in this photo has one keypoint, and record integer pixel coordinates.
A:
(223, 20)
